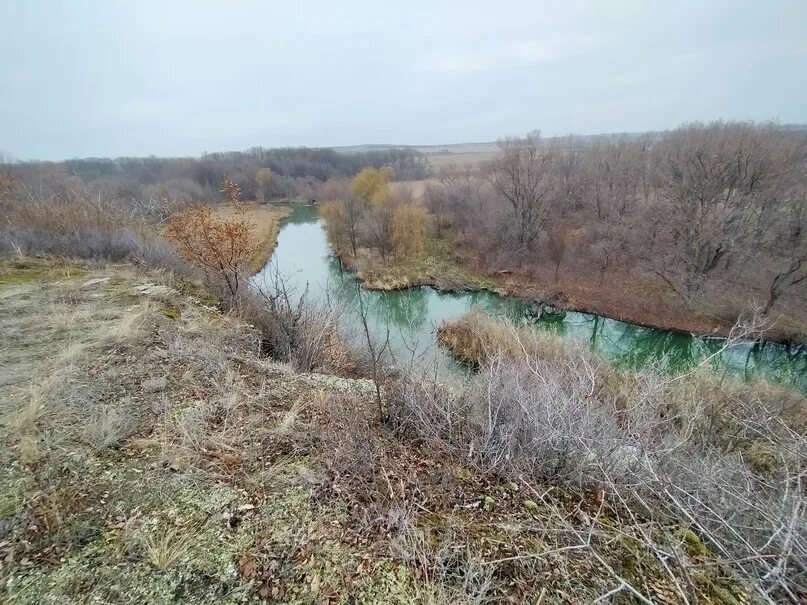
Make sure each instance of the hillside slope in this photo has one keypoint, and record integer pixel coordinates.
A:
(151, 455)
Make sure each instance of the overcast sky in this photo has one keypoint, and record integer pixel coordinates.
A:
(108, 78)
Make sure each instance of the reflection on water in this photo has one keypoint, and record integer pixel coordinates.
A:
(303, 257)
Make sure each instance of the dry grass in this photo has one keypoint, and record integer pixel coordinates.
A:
(290, 417)
(701, 450)
(125, 411)
(476, 338)
(266, 219)
(164, 547)
(109, 426)
(156, 458)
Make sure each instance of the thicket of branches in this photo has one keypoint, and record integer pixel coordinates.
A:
(366, 213)
(83, 228)
(688, 453)
(697, 206)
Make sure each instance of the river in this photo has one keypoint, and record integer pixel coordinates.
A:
(303, 257)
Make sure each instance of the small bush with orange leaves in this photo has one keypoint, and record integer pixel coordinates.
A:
(221, 247)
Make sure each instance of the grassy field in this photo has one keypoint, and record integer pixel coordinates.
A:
(439, 156)
(412, 189)
(461, 155)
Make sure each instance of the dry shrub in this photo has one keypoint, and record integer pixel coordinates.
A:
(63, 218)
(81, 229)
(297, 330)
(542, 417)
(222, 247)
(723, 457)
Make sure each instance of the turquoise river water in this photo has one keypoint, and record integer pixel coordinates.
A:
(304, 259)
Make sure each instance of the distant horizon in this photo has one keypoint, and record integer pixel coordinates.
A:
(358, 147)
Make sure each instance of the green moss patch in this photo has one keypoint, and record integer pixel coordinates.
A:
(14, 272)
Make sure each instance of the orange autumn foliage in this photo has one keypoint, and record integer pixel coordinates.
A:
(221, 247)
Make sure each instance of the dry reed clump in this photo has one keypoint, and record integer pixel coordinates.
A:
(722, 457)
(164, 546)
(475, 338)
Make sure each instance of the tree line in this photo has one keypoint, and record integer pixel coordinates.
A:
(262, 174)
(697, 207)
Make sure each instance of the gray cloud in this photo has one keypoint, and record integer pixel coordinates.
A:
(85, 78)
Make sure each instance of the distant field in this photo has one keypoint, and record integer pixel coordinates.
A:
(440, 156)
(461, 154)
(415, 188)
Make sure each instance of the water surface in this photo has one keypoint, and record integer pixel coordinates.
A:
(412, 316)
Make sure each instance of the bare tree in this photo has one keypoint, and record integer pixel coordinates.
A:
(352, 210)
(560, 240)
(8, 183)
(523, 177)
(721, 185)
(792, 271)
(377, 350)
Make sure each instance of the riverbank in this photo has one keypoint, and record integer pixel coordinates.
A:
(437, 268)
(646, 301)
(267, 219)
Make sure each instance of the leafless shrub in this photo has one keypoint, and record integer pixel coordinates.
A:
(540, 417)
(296, 329)
(83, 228)
(721, 457)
